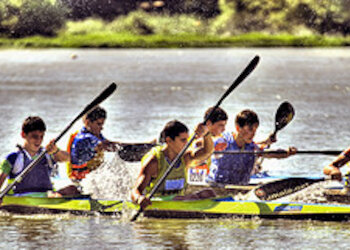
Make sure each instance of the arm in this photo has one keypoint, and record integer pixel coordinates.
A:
(148, 171)
(333, 168)
(205, 151)
(290, 151)
(3, 177)
(57, 154)
(268, 142)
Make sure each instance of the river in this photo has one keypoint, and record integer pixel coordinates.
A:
(155, 86)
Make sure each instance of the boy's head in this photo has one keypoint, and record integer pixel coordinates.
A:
(247, 122)
(95, 119)
(175, 134)
(217, 121)
(33, 131)
(96, 114)
(33, 123)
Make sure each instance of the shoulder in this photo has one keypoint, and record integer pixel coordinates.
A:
(149, 165)
(11, 158)
(223, 138)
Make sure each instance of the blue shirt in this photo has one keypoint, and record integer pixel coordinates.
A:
(234, 169)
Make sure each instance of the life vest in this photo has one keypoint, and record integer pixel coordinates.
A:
(232, 169)
(78, 172)
(36, 180)
(197, 174)
(175, 183)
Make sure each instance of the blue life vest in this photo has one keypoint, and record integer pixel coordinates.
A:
(36, 180)
(230, 168)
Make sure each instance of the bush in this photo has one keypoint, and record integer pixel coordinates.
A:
(142, 23)
(33, 17)
(85, 27)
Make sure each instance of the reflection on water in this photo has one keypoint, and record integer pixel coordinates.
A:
(155, 86)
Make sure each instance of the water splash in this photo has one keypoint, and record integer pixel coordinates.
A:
(113, 180)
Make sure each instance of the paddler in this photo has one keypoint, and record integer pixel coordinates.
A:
(230, 169)
(333, 169)
(87, 146)
(157, 160)
(216, 126)
(38, 179)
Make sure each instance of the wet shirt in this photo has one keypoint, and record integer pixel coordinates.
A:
(234, 169)
(36, 180)
(83, 147)
(175, 181)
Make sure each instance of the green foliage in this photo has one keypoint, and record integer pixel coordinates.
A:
(85, 27)
(142, 23)
(32, 17)
(135, 23)
(278, 16)
(123, 40)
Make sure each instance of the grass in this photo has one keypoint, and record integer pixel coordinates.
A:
(125, 40)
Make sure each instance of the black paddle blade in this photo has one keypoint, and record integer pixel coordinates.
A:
(277, 189)
(134, 152)
(100, 98)
(284, 115)
(250, 67)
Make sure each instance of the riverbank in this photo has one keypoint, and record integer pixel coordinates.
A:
(124, 40)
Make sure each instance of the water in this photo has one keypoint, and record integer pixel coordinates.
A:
(155, 86)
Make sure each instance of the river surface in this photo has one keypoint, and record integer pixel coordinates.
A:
(155, 86)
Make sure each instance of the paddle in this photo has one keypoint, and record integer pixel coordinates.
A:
(133, 151)
(106, 93)
(281, 188)
(325, 152)
(251, 66)
(284, 115)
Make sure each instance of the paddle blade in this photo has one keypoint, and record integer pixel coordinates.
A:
(284, 115)
(250, 67)
(100, 98)
(277, 189)
(133, 152)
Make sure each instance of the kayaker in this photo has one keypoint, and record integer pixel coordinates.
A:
(87, 146)
(333, 169)
(216, 125)
(236, 169)
(157, 160)
(38, 179)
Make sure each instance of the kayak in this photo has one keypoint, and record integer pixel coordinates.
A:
(166, 207)
(37, 203)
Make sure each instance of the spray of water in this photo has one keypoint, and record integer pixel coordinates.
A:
(112, 180)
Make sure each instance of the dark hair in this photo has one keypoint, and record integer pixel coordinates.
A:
(172, 129)
(218, 115)
(96, 113)
(246, 117)
(33, 123)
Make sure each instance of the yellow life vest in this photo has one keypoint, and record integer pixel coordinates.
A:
(175, 183)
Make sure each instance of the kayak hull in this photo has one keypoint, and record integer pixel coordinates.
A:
(227, 207)
(83, 205)
(166, 207)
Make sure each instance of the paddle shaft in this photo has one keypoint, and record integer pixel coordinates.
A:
(251, 66)
(325, 152)
(106, 93)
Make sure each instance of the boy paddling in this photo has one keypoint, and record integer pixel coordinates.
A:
(216, 126)
(237, 169)
(154, 164)
(38, 179)
(87, 146)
